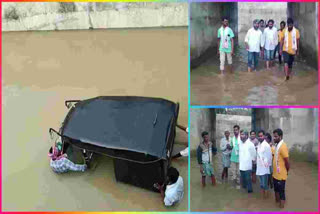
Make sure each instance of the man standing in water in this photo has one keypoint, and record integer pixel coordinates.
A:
(235, 141)
(280, 167)
(289, 46)
(270, 40)
(246, 156)
(264, 158)
(282, 26)
(225, 44)
(253, 41)
(255, 142)
(226, 151)
(205, 153)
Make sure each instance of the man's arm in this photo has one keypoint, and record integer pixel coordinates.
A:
(286, 162)
(162, 192)
(232, 47)
(223, 146)
(246, 41)
(218, 46)
(182, 127)
(298, 45)
(281, 44)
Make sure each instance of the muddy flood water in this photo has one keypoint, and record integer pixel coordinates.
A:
(301, 192)
(264, 87)
(43, 69)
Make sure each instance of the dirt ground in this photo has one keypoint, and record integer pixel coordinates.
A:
(301, 192)
(43, 69)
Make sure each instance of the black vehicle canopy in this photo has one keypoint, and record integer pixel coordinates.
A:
(135, 124)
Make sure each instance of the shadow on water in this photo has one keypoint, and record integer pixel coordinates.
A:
(262, 87)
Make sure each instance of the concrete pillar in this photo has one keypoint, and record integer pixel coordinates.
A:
(260, 119)
(305, 16)
(201, 120)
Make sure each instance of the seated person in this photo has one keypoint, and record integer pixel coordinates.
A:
(59, 161)
(172, 193)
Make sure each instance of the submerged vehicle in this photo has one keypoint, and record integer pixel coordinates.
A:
(137, 132)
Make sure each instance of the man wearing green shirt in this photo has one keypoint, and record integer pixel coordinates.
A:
(225, 44)
(235, 141)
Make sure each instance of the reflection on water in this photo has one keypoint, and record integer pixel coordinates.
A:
(208, 87)
(42, 70)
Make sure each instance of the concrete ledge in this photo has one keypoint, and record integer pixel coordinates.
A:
(70, 16)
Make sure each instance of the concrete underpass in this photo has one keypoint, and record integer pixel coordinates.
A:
(264, 86)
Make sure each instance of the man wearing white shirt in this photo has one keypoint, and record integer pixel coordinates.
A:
(247, 153)
(264, 158)
(173, 192)
(270, 41)
(253, 41)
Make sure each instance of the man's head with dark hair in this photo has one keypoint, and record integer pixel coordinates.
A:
(224, 18)
(261, 23)
(277, 135)
(282, 25)
(270, 23)
(204, 133)
(205, 136)
(268, 137)
(236, 129)
(225, 21)
(261, 134)
(289, 21)
(172, 175)
(290, 24)
(252, 134)
(243, 135)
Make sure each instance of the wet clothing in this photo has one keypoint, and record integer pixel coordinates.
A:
(253, 58)
(223, 56)
(235, 171)
(279, 187)
(246, 180)
(288, 59)
(225, 35)
(174, 192)
(264, 181)
(207, 169)
(64, 165)
(205, 153)
(290, 40)
(254, 40)
(226, 153)
(279, 168)
(246, 156)
(269, 55)
(235, 141)
(264, 158)
(225, 47)
(270, 38)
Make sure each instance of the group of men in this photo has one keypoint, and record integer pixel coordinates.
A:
(249, 156)
(262, 39)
